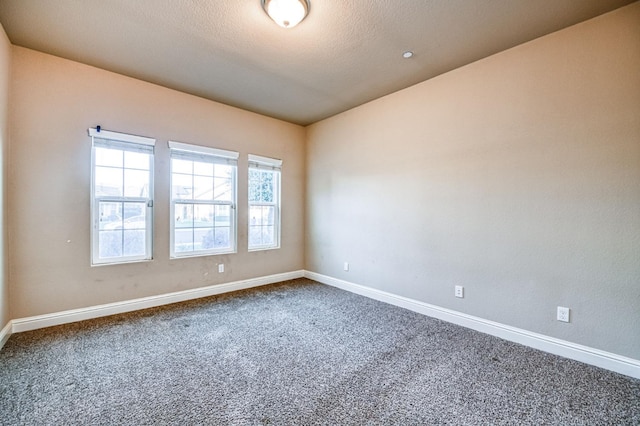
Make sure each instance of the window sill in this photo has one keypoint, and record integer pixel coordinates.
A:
(124, 262)
(263, 248)
(187, 256)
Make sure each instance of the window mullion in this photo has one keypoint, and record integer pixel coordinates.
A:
(123, 183)
(205, 202)
(263, 204)
(110, 199)
(122, 245)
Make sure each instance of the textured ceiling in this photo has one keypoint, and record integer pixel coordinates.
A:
(345, 53)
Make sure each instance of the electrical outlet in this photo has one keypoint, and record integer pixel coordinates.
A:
(346, 266)
(563, 314)
(220, 268)
(459, 291)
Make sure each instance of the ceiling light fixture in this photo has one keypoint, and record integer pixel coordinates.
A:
(286, 13)
(408, 54)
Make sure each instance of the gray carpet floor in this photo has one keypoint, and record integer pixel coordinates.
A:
(296, 353)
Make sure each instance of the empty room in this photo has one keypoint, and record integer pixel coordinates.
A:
(295, 212)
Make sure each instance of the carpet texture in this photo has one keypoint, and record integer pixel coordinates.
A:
(296, 353)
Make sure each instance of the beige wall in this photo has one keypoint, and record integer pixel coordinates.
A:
(5, 65)
(517, 176)
(54, 102)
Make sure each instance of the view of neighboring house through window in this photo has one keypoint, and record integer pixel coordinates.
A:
(203, 200)
(264, 202)
(121, 196)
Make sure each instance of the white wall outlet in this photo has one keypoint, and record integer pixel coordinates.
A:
(220, 268)
(346, 266)
(459, 291)
(563, 314)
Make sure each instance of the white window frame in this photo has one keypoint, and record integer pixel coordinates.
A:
(272, 164)
(125, 142)
(216, 156)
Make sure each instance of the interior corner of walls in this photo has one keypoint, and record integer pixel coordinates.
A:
(6, 53)
(5, 333)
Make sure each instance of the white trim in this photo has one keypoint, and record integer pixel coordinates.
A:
(123, 137)
(73, 315)
(5, 333)
(204, 150)
(267, 161)
(607, 360)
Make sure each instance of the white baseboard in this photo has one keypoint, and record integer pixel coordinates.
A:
(64, 317)
(5, 333)
(596, 357)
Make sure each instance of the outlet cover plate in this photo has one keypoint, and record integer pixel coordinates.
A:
(563, 314)
(459, 291)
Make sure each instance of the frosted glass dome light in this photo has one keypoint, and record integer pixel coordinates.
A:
(286, 13)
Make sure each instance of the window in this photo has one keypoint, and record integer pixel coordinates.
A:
(264, 202)
(203, 200)
(121, 197)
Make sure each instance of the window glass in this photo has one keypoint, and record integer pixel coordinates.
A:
(264, 204)
(203, 202)
(122, 182)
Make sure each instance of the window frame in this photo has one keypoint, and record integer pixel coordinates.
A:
(214, 156)
(257, 162)
(123, 142)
